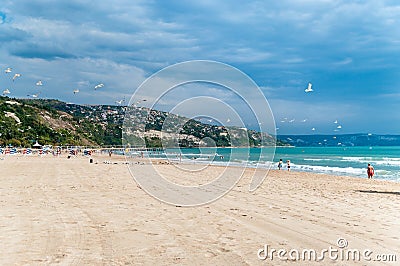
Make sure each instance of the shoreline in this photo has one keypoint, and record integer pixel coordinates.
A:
(188, 162)
(349, 168)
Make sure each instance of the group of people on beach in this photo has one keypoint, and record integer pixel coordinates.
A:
(280, 164)
(370, 168)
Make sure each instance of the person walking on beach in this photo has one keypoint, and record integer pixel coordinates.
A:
(370, 171)
(280, 164)
(288, 165)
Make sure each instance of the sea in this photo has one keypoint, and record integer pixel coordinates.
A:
(343, 161)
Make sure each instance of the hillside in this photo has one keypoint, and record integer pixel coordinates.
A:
(53, 122)
(25, 121)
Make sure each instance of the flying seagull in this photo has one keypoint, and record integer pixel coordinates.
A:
(339, 126)
(76, 91)
(8, 70)
(6, 91)
(335, 122)
(39, 83)
(98, 86)
(17, 75)
(120, 101)
(309, 88)
(34, 95)
(313, 129)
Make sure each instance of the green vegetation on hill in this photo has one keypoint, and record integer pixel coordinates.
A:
(52, 122)
(21, 124)
(92, 125)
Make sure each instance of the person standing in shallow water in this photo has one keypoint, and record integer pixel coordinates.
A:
(370, 171)
(280, 164)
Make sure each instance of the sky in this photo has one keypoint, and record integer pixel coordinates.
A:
(348, 50)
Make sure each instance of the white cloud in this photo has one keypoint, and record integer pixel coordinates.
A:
(345, 61)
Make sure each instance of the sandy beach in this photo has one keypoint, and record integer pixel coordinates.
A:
(70, 212)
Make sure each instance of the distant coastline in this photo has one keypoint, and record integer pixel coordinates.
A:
(345, 140)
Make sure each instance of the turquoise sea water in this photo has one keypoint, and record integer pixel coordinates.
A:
(350, 161)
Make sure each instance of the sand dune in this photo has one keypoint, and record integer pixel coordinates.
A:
(71, 212)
